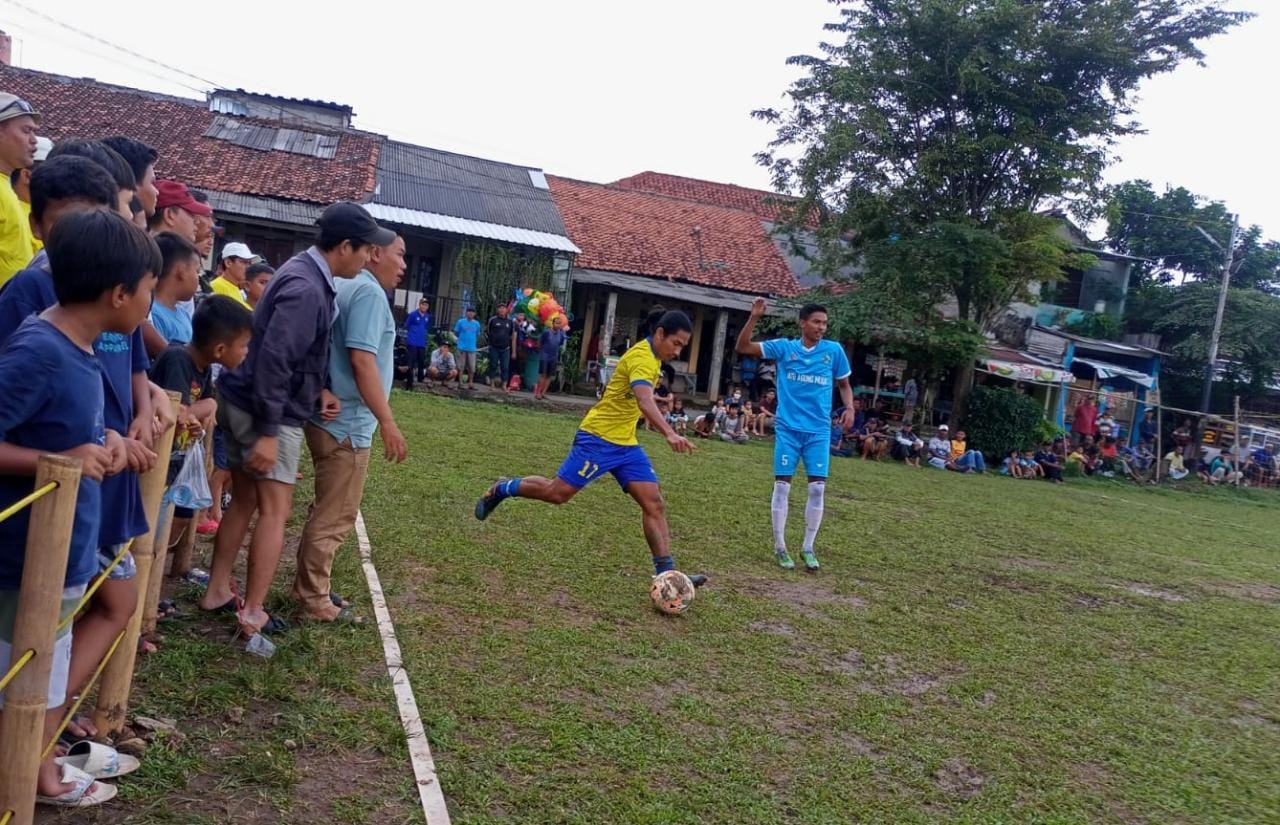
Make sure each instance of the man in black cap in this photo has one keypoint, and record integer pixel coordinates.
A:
(264, 403)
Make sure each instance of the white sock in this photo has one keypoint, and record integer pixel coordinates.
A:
(781, 494)
(813, 513)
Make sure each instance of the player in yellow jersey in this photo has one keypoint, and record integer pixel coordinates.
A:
(606, 441)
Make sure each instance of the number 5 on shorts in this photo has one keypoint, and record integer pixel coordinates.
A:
(588, 469)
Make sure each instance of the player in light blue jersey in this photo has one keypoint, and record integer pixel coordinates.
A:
(809, 369)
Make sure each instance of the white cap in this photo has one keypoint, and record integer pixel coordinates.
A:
(944, 427)
(235, 249)
(43, 147)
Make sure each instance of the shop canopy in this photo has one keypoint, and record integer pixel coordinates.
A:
(1106, 370)
(1021, 371)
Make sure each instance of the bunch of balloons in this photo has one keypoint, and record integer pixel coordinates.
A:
(540, 310)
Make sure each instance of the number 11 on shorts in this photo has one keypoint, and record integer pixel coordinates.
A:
(588, 470)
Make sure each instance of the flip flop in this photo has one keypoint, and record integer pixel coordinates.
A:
(99, 761)
(86, 793)
(230, 607)
(274, 626)
(167, 611)
(338, 601)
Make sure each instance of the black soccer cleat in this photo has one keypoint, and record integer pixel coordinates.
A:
(489, 501)
(698, 579)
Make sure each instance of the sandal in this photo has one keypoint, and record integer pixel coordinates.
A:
(99, 761)
(86, 792)
(344, 616)
(207, 528)
(338, 601)
(167, 610)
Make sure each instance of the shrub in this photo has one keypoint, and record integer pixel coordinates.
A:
(1001, 420)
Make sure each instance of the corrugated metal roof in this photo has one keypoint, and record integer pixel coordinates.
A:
(269, 138)
(472, 228)
(272, 209)
(473, 189)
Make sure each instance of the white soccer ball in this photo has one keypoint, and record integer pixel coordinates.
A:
(672, 592)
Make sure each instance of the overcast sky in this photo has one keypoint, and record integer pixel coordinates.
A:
(598, 90)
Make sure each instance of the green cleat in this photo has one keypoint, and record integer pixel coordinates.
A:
(784, 560)
(810, 561)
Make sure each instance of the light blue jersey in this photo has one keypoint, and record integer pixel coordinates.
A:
(806, 379)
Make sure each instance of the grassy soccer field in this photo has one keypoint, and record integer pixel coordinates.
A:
(975, 649)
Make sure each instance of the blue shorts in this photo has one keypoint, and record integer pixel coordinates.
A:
(592, 455)
(790, 448)
(220, 461)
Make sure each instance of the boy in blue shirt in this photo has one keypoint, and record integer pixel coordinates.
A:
(468, 332)
(416, 326)
(808, 369)
(50, 377)
(179, 282)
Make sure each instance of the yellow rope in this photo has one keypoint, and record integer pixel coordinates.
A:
(93, 680)
(93, 588)
(5, 817)
(9, 511)
(13, 671)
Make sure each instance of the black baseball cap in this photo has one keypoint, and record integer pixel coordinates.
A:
(351, 220)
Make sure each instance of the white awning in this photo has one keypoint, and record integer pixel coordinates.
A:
(474, 229)
(1106, 370)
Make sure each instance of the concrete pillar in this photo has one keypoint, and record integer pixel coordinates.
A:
(606, 331)
(717, 354)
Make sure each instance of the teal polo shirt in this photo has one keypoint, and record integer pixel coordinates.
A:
(364, 323)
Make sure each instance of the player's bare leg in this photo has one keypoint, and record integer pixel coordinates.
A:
(538, 488)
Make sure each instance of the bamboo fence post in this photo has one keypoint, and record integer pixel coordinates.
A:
(117, 677)
(184, 552)
(44, 575)
(160, 548)
(1159, 440)
(1236, 464)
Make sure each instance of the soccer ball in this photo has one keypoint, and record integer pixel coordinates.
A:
(672, 592)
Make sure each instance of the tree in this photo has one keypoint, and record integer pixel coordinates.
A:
(929, 135)
(1162, 228)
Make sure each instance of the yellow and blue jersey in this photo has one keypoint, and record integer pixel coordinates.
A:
(615, 416)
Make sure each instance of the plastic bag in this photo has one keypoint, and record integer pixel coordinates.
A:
(190, 488)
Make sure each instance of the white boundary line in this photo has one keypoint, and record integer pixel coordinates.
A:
(424, 767)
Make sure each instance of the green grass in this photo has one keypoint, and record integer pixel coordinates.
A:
(976, 649)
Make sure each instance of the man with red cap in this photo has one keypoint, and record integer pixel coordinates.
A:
(176, 210)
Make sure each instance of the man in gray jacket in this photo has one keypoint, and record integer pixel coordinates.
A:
(265, 401)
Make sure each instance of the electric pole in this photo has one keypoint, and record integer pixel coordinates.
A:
(1222, 306)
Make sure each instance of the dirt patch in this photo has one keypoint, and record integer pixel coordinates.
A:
(805, 597)
(850, 664)
(955, 778)
(773, 628)
(1268, 593)
(987, 700)
(1088, 601)
(1152, 592)
(328, 780)
(1255, 716)
(889, 677)
(1012, 583)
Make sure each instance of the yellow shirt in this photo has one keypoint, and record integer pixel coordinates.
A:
(222, 286)
(36, 243)
(957, 449)
(15, 235)
(615, 416)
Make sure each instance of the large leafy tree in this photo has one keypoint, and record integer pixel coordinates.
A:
(928, 134)
(1163, 229)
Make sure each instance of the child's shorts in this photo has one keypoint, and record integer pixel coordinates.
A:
(61, 647)
(220, 461)
(125, 570)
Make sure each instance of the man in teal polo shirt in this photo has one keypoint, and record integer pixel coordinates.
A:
(361, 368)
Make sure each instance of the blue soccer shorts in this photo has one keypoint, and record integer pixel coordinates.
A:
(791, 448)
(592, 456)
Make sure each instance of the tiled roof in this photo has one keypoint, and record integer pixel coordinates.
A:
(85, 108)
(766, 205)
(645, 234)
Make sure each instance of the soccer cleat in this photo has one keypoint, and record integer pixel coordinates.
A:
(490, 500)
(698, 579)
(810, 560)
(784, 560)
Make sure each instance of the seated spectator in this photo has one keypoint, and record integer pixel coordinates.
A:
(1109, 457)
(663, 397)
(1261, 466)
(940, 450)
(1030, 467)
(735, 399)
(766, 412)
(733, 430)
(1221, 469)
(749, 416)
(1147, 429)
(1011, 465)
(907, 445)
(875, 440)
(1175, 466)
(965, 459)
(444, 367)
(1049, 463)
(1107, 427)
(678, 418)
(705, 425)
(1137, 461)
(840, 445)
(1091, 456)
(720, 411)
(1059, 447)
(256, 278)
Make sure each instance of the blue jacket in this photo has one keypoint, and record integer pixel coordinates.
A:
(417, 325)
(288, 362)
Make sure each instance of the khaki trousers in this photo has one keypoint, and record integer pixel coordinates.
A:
(339, 487)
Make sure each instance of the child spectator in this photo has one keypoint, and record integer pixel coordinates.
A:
(1107, 426)
(1030, 467)
(1108, 457)
(875, 440)
(705, 426)
(678, 418)
(1049, 463)
(733, 430)
(963, 458)
(468, 331)
(1012, 465)
(103, 272)
(256, 278)
(721, 412)
(839, 443)
(766, 412)
(549, 345)
(179, 281)
(749, 415)
(1177, 468)
(220, 335)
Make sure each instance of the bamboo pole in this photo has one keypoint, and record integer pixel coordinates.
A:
(117, 678)
(1159, 440)
(1237, 466)
(160, 551)
(44, 575)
